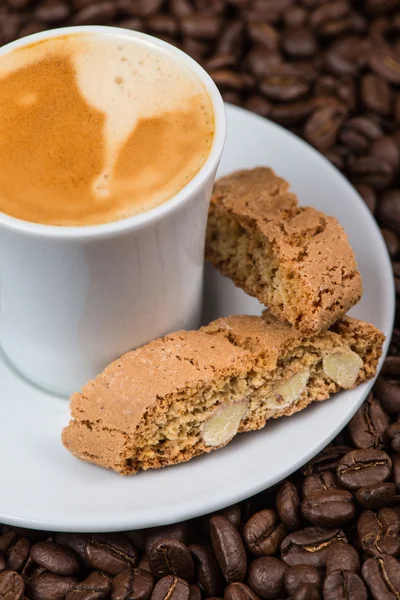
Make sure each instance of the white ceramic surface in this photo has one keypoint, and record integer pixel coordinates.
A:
(43, 486)
(72, 299)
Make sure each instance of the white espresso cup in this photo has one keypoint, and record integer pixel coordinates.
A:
(72, 299)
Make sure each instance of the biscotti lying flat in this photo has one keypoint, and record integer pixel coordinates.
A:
(295, 260)
(191, 392)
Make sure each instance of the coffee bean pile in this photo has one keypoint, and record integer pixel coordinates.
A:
(330, 71)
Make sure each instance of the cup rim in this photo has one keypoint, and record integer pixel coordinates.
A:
(158, 212)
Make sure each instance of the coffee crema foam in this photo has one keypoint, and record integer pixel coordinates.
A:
(95, 129)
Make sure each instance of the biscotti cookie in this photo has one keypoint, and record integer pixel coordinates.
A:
(192, 391)
(295, 260)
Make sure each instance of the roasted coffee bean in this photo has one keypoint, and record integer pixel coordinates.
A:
(177, 531)
(228, 548)
(132, 584)
(95, 587)
(181, 8)
(207, 572)
(264, 35)
(170, 557)
(239, 591)
(299, 41)
(396, 471)
(379, 533)
(263, 533)
(11, 586)
(341, 556)
(309, 546)
(392, 241)
(326, 460)
(284, 83)
(258, 104)
(49, 586)
(329, 508)
(194, 592)
(74, 541)
(371, 170)
(266, 577)
(99, 13)
(18, 554)
(359, 133)
(367, 427)
(386, 149)
(200, 26)
(359, 468)
(376, 495)
(306, 591)
(300, 574)
(288, 505)
(55, 558)
(375, 94)
(171, 588)
(344, 585)
(3, 563)
(385, 63)
(388, 390)
(318, 483)
(110, 553)
(368, 195)
(7, 539)
(382, 576)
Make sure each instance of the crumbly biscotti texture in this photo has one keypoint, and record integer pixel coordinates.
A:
(192, 391)
(295, 260)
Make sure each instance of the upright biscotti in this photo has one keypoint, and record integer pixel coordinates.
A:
(295, 260)
(192, 391)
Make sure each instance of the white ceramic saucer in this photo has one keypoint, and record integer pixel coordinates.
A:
(43, 486)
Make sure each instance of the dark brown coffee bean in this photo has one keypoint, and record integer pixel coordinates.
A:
(55, 558)
(386, 149)
(258, 104)
(326, 460)
(391, 366)
(177, 531)
(306, 591)
(322, 127)
(171, 588)
(52, 11)
(359, 133)
(368, 195)
(388, 390)
(300, 574)
(376, 495)
(375, 94)
(342, 556)
(393, 433)
(291, 113)
(371, 170)
(329, 508)
(230, 39)
(74, 541)
(219, 61)
(380, 7)
(379, 533)
(298, 41)
(200, 26)
(284, 83)
(225, 78)
(260, 61)
(110, 553)
(95, 587)
(309, 546)
(392, 241)
(228, 548)
(239, 591)
(181, 8)
(264, 35)
(382, 576)
(359, 468)
(317, 483)
(99, 13)
(326, 16)
(132, 584)
(396, 471)
(197, 49)
(3, 564)
(367, 427)
(385, 63)
(49, 586)
(194, 592)
(19, 4)
(288, 505)
(339, 65)
(207, 572)
(163, 24)
(170, 557)
(7, 539)
(295, 16)
(344, 585)
(11, 586)
(266, 577)
(18, 554)
(263, 533)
